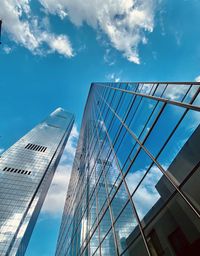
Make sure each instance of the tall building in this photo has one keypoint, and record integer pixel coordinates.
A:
(134, 188)
(26, 171)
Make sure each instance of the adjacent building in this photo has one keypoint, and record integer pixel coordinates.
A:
(134, 187)
(26, 171)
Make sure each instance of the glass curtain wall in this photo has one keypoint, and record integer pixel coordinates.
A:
(134, 188)
(26, 171)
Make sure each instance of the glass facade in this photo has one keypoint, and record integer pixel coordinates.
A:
(134, 188)
(26, 171)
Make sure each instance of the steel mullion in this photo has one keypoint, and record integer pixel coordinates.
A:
(111, 201)
(128, 158)
(129, 196)
(158, 165)
(138, 151)
(175, 192)
(94, 164)
(160, 151)
(105, 106)
(126, 115)
(109, 204)
(102, 240)
(97, 212)
(150, 82)
(90, 196)
(117, 136)
(95, 192)
(107, 110)
(78, 205)
(111, 121)
(177, 103)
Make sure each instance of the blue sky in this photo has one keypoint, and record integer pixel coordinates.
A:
(52, 50)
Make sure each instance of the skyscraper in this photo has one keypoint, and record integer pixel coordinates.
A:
(26, 171)
(134, 187)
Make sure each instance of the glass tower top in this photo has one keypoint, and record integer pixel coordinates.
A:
(26, 171)
(134, 188)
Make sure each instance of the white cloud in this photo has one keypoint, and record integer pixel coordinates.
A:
(7, 49)
(108, 58)
(60, 44)
(197, 79)
(146, 195)
(124, 22)
(175, 92)
(178, 37)
(24, 28)
(55, 199)
(113, 77)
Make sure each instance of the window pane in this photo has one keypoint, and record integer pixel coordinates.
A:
(160, 89)
(116, 100)
(115, 127)
(181, 153)
(105, 224)
(101, 194)
(120, 138)
(149, 123)
(128, 98)
(164, 126)
(141, 116)
(125, 148)
(134, 107)
(191, 93)
(108, 245)
(112, 173)
(176, 92)
(126, 227)
(119, 201)
(138, 170)
(94, 242)
(97, 253)
(152, 193)
(92, 211)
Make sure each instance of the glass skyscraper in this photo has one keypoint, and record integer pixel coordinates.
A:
(26, 171)
(134, 187)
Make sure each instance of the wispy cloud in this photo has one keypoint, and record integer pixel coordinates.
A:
(124, 22)
(197, 79)
(24, 28)
(113, 77)
(108, 57)
(7, 49)
(55, 199)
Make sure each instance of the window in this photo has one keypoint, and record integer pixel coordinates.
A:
(18, 171)
(36, 147)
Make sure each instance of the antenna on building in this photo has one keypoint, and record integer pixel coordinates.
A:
(0, 30)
